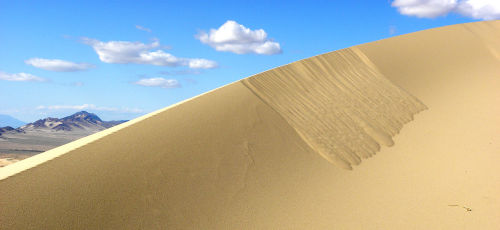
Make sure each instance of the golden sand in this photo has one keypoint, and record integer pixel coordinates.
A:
(341, 105)
(251, 155)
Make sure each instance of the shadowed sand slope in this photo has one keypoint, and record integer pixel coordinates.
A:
(258, 154)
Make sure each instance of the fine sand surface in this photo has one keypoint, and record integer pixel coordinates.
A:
(273, 151)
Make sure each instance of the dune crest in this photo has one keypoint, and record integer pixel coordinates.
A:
(339, 103)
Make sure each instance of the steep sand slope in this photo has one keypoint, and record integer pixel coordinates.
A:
(340, 104)
(241, 157)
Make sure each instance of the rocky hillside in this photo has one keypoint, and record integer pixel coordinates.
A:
(78, 121)
(48, 133)
(7, 129)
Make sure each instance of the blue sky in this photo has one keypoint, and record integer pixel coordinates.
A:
(123, 59)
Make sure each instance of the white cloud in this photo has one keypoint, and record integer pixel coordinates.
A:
(124, 52)
(480, 9)
(20, 77)
(57, 65)
(143, 28)
(89, 107)
(159, 82)
(236, 38)
(425, 8)
(477, 9)
(197, 63)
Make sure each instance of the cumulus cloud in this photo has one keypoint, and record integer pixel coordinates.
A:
(20, 77)
(480, 9)
(425, 8)
(159, 82)
(89, 107)
(58, 65)
(124, 52)
(236, 38)
(143, 28)
(477, 9)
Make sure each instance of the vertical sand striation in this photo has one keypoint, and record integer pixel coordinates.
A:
(339, 103)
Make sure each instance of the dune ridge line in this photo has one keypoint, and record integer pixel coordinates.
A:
(330, 99)
(25, 164)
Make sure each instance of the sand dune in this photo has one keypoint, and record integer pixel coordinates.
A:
(258, 153)
(339, 103)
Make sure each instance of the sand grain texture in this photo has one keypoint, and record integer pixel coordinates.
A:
(258, 153)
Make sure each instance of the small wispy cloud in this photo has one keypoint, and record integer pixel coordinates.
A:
(89, 107)
(143, 28)
(124, 52)
(477, 9)
(199, 63)
(58, 65)
(236, 38)
(159, 82)
(20, 77)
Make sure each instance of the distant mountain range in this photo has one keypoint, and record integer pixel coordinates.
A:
(78, 121)
(48, 133)
(6, 120)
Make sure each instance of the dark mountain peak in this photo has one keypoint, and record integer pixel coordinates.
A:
(83, 116)
(41, 123)
(7, 129)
